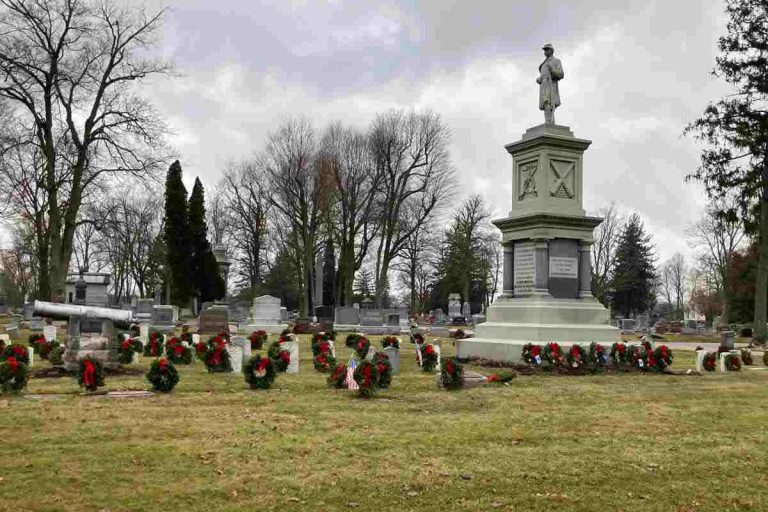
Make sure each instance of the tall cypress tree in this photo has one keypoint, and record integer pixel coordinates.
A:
(634, 272)
(176, 231)
(206, 279)
(329, 274)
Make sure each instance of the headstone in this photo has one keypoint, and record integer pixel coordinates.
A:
(144, 333)
(454, 305)
(265, 310)
(347, 316)
(90, 325)
(214, 320)
(36, 324)
(49, 331)
(164, 315)
(643, 322)
(293, 348)
(284, 315)
(393, 319)
(466, 310)
(726, 339)
(235, 351)
(438, 352)
(28, 310)
(144, 309)
(158, 294)
(12, 330)
(373, 317)
(5, 338)
(394, 358)
(245, 344)
(333, 348)
(627, 324)
(195, 339)
(700, 355)
(439, 316)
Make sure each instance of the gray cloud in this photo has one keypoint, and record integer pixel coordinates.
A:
(636, 73)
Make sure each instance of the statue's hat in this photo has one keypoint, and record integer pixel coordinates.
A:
(548, 46)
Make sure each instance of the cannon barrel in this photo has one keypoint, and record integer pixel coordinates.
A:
(121, 318)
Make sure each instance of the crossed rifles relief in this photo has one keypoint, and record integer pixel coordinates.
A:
(562, 172)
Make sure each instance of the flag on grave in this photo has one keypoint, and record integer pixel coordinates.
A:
(351, 384)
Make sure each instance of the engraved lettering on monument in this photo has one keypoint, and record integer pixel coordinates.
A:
(528, 180)
(525, 269)
(563, 174)
(564, 268)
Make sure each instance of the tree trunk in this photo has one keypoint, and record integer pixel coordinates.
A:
(761, 285)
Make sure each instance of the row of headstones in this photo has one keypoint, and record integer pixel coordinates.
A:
(701, 354)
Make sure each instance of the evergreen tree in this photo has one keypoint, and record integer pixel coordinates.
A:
(282, 280)
(633, 275)
(736, 131)
(206, 278)
(329, 274)
(176, 234)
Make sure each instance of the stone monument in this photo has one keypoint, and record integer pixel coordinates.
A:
(265, 315)
(454, 305)
(547, 239)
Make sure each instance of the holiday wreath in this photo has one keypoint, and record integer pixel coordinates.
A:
(596, 355)
(126, 348)
(13, 375)
(451, 373)
(154, 347)
(732, 362)
(576, 356)
(531, 353)
(709, 362)
(352, 340)
(163, 375)
(362, 347)
(216, 356)
(746, 356)
(178, 351)
(384, 369)
(259, 372)
(280, 356)
(553, 354)
(19, 352)
(258, 339)
(619, 353)
(90, 373)
(367, 377)
(390, 341)
(323, 359)
(42, 346)
(320, 343)
(428, 357)
(338, 376)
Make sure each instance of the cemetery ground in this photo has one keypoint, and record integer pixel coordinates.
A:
(631, 442)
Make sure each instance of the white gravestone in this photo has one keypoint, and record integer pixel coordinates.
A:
(454, 305)
(333, 348)
(370, 354)
(293, 348)
(394, 358)
(144, 333)
(245, 346)
(438, 351)
(49, 331)
(265, 315)
(5, 338)
(700, 355)
(235, 357)
(195, 339)
(31, 352)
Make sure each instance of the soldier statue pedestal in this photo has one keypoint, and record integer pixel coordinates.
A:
(547, 242)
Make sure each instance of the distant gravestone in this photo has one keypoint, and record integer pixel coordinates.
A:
(393, 319)
(293, 348)
(144, 333)
(235, 357)
(372, 317)
(163, 315)
(265, 311)
(245, 344)
(344, 315)
(439, 316)
(36, 324)
(144, 309)
(726, 340)
(454, 305)
(394, 358)
(49, 332)
(214, 320)
(466, 310)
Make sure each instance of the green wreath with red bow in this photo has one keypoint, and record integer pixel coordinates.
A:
(260, 372)
(13, 375)
(90, 373)
(163, 375)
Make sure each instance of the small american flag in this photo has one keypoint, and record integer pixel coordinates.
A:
(351, 384)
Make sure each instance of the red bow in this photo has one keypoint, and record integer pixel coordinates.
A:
(89, 375)
(13, 363)
(162, 364)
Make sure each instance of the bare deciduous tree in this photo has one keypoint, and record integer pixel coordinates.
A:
(411, 149)
(606, 236)
(69, 71)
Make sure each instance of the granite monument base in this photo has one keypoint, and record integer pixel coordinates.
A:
(268, 328)
(516, 321)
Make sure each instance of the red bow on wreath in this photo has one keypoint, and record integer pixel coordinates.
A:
(89, 375)
(13, 364)
(162, 364)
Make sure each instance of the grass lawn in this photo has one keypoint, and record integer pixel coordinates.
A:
(605, 442)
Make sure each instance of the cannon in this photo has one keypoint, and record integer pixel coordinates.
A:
(119, 317)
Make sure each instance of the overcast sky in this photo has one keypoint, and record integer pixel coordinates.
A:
(635, 74)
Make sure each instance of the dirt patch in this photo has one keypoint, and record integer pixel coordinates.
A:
(57, 372)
